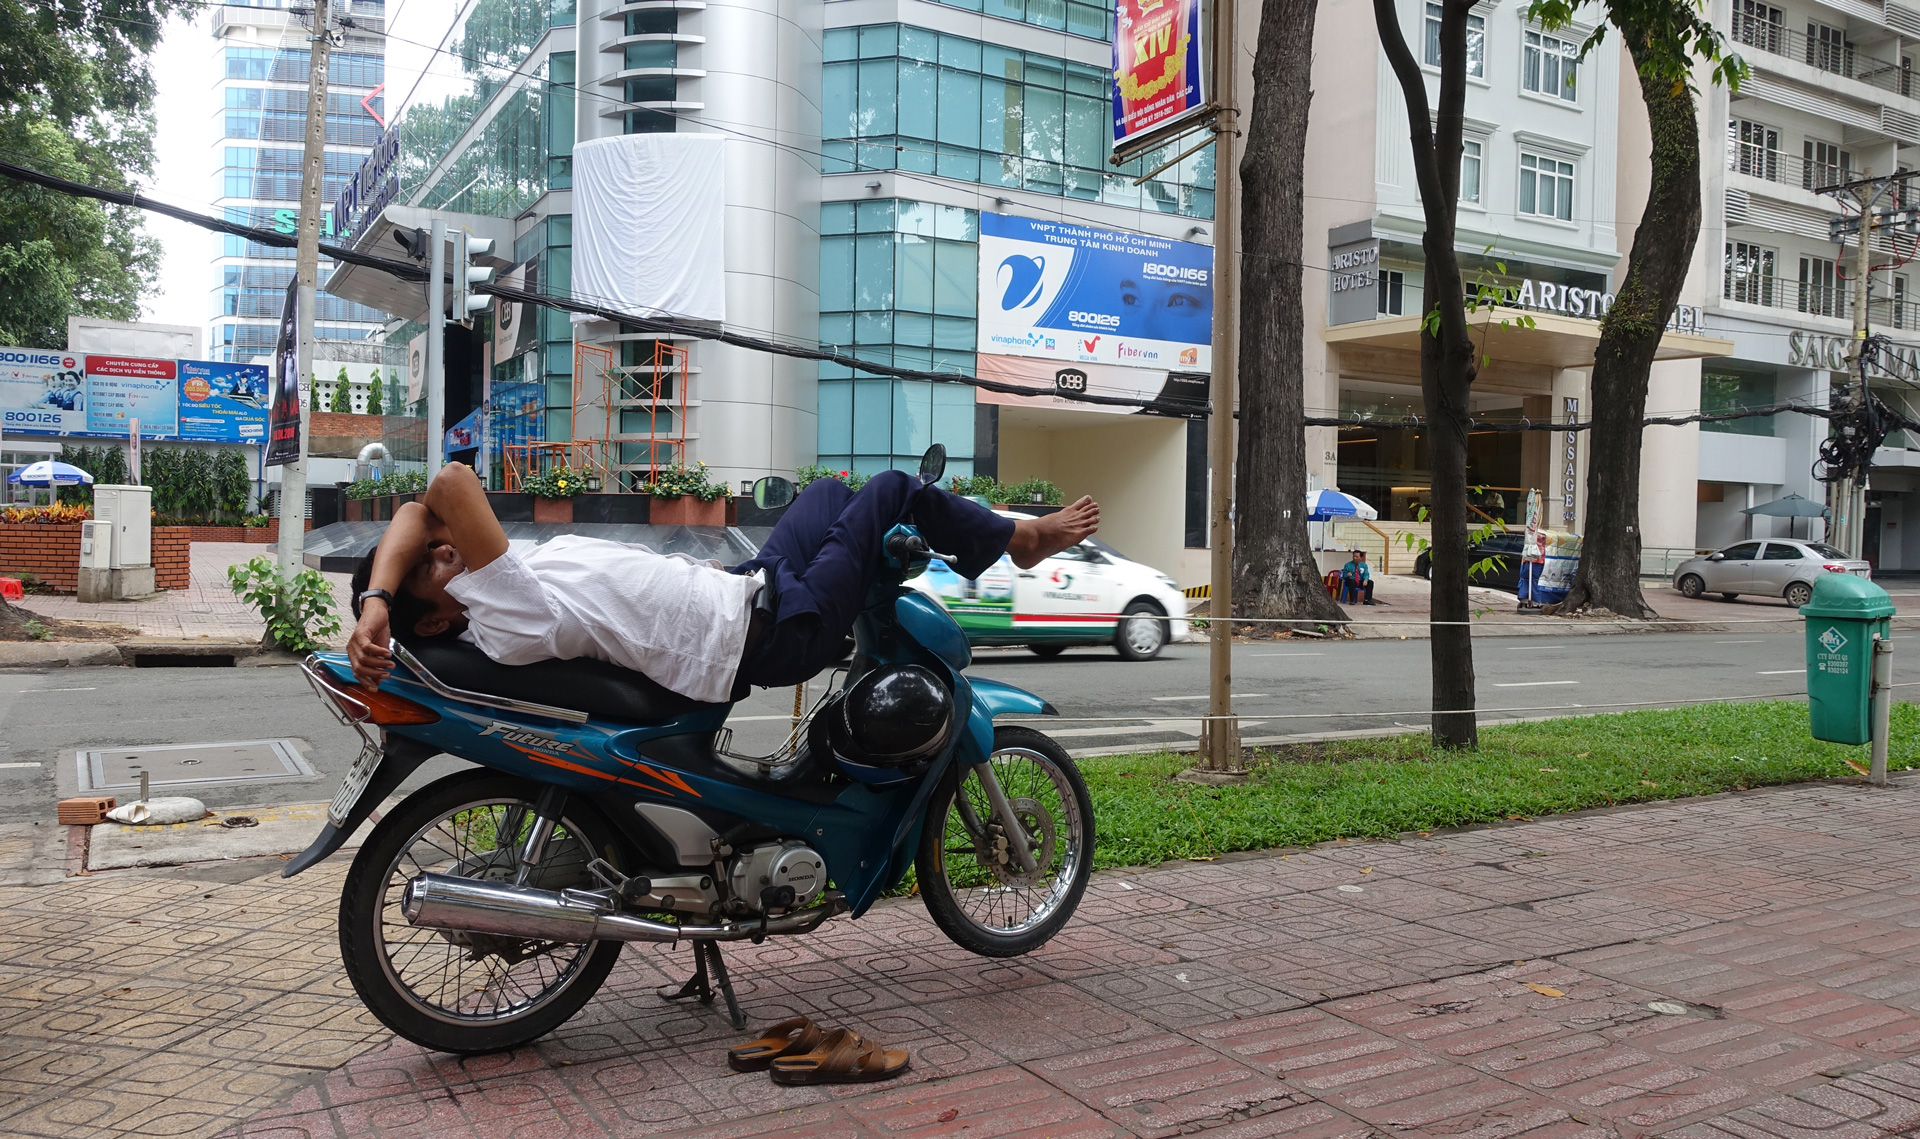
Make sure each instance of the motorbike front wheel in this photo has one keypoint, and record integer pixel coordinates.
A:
(974, 885)
(469, 993)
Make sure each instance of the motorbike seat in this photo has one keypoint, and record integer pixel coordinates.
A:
(583, 685)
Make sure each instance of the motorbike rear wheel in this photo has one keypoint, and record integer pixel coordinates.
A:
(460, 992)
(974, 887)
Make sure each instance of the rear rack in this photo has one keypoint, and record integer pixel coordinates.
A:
(504, 703)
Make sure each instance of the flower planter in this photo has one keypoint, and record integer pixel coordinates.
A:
(511, 506)
(688, 511)
(553, 510)
(355, 509)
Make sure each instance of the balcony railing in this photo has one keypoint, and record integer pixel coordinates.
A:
(1794, 296)
(1832, 56)
(1784, 167)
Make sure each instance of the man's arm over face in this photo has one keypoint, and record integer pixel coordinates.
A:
(457, 500)
(401, 547)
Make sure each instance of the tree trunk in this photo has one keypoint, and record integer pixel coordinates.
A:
(1609, 573)
(1447, 365)
(1274, 571)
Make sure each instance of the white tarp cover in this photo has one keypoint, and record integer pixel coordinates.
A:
(648, 232)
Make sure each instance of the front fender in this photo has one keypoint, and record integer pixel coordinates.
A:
(992, 698)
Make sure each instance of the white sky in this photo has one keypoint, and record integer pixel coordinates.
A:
(187, 165)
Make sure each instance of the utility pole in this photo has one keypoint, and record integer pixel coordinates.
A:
(306, 271)
(1847, 494)
(436, 347)
(1220, 740)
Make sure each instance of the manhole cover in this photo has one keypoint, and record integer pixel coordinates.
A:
(183, 765)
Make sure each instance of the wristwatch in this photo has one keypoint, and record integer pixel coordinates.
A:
(382, 594)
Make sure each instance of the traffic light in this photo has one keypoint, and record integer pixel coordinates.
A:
(462, 301)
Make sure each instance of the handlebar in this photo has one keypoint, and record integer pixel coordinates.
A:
(905, 548)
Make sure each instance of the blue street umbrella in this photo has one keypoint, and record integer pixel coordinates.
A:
(1325, 504)
(47, 472)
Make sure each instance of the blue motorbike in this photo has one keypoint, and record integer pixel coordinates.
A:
(488, 907)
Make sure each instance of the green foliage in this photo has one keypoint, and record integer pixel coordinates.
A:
(376, 396)
(1024, 492)
(814, 472)
(402, 482)
(556, 482)
(1475, 536)
(106, 463)
(313, 397)
(38, 631)
(396, 399)
(255, 521)
(678, 480)
(1382, 788)
(300, 614)
(342, 401)
(982, 486)
(1666, 37)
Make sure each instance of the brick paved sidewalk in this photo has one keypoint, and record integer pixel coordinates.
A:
(1746, 965)
(207, 608)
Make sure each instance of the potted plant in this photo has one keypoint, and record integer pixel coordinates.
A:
(687, 496)
(1032, 492)
(553, 491)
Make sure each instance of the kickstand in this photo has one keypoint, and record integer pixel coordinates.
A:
(705, 952)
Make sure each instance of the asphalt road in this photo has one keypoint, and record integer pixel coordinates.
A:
(1283, 688)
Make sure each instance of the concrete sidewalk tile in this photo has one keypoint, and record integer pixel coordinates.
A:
(1522, 933)
(1187, 993)
(1212, 884)
(919, 976)
(1080, 949)
(1753, 1053)
(1625, 916)
(1004, 1103)
(1044, 1020)
(1495, 884)
(1164, 1084)
(1407, 900)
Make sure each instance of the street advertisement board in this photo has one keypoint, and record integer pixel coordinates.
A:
(1158, 71)
(516, 414)
(982, 604)
(283, 420)
(1160, 393)
(223, 403)
(42, 392)
(1056, 291)
(121, 389)
(417, 369)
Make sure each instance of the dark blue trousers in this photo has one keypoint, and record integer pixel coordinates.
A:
(822, 556)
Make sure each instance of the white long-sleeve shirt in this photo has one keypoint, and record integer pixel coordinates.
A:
(680, 621)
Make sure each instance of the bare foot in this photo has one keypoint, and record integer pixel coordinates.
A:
(1036, 539)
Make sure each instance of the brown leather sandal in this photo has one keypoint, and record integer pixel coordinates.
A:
(788, 1038)
(842, 1058)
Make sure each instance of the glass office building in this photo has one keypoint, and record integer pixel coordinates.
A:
(261, 64)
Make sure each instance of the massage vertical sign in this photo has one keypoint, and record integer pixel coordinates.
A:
(1157, 66)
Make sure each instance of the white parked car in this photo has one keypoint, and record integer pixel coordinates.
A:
(1088, 594)
(1776, 567)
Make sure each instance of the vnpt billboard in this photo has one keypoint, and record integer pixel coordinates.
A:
(60, 393)
(1071, 292)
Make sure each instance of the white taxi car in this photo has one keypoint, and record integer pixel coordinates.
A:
(1089, 594)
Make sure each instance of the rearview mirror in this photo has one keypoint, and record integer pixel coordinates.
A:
(1716, 557)
(772, 492)
(933, 464)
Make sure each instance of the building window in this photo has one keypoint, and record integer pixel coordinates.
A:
(1756, 149)
(1749, 273)
(1759, 25)
(652, 53)
(1393, 288)
(1824, 165)
(905, 98)
(1546, 187)
(1476, 42)
(1722, 392)
(1470, 154)
(1819, 293)
(1548, 66)
(653, 22)
(1828, 49)
(653, 89)
(1900, 301)
(1095, 21)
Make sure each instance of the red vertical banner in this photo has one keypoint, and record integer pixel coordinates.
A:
(1158, 70)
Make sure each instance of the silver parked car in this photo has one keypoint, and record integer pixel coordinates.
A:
(1776, 567)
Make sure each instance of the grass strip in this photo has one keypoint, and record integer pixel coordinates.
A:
(1383, 787)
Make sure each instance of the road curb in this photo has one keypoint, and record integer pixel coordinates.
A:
(58, 654)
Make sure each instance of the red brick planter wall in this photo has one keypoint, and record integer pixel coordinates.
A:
(52, 554)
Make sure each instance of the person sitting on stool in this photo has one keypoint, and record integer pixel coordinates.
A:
(1356, 583)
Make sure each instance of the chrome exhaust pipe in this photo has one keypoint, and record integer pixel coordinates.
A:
(442, 901)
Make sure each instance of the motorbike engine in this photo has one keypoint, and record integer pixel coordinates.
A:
(776, 877)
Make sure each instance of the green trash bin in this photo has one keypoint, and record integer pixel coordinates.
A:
(1842, 619)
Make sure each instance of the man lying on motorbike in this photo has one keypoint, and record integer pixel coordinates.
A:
(445, 566)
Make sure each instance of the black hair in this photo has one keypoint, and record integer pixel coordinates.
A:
(403, 612)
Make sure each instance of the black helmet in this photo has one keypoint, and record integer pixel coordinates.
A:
(892, 716)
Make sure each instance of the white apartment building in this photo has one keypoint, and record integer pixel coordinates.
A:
(1551, 184)
(260, 65)
(1831, 97)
